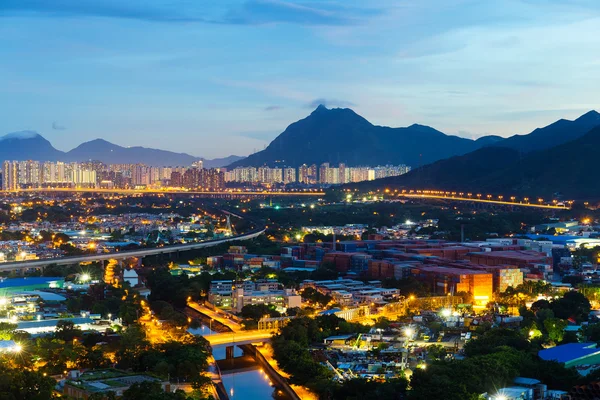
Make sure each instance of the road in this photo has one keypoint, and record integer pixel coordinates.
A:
(220, 316)
(486, 201)
(238, 338)
(165, 191)
(121, 255)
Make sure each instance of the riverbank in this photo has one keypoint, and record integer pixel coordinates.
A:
(247, 378)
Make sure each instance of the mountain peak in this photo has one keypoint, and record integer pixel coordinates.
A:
(592, 115)
(99, 141)
(340, 135)
(21, 135)
(321, 109)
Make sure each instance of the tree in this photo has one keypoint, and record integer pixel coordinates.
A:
(315, 296)
(25, 385)
(61, 238)
(151, 391)
(572, 305)
(133, 343)
(437, 351)
(572, 279)
(66, 331)
(382, 323)
(257, 311)
(7, 330)
(555, 328)
(93, 358)
(57, 354)
(495, 339)
(592, 332)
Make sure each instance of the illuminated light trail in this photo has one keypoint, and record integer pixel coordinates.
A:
(238, 338)
(487, 201)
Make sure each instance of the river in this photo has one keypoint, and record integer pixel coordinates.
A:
(247, 385)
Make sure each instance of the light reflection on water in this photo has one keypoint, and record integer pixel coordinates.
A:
(248, 385)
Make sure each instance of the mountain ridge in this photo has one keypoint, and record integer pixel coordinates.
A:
(562, 170)
(30, 145)
(340, 135)
(554, 134)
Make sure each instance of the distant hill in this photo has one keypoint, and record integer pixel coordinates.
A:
(220, 162)
(489, 140)
(460, 172)
(341, 136)
(559, 132)
(110, 153)
(567, 169)
(29, 145)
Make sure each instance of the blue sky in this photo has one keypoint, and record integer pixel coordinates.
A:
(214, 78)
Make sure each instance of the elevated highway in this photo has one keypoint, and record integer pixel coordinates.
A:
(239, 338)
(122, 255)
(229, 320)
(484, 201)
(206, 193)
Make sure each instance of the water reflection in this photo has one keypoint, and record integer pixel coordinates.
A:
(250, 385)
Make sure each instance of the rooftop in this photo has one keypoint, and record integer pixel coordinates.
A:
(108, 379)
(569, 352)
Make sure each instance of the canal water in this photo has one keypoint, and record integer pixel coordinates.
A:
(246, 385)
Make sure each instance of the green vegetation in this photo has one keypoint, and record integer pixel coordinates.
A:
(19, 384)
(151, 391)
(316, 297)
(493, 361)
(183, 361)
(291, 349)
(257, 311)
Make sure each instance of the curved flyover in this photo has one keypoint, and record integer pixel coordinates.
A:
(120, 255)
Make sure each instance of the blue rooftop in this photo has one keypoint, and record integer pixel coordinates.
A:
(17, 282)
(339, 337)
(330, 312)
(568, 352)
(561, 239)
(48, 323)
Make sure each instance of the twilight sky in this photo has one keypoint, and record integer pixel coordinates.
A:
(213, 78)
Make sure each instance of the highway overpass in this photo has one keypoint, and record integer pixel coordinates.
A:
(122, 255)
(238, 338)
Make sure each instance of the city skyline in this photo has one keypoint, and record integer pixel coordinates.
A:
(20, 174)
(226, 79)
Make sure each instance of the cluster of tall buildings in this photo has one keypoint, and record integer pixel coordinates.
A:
(312, 175)
(36, 174)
